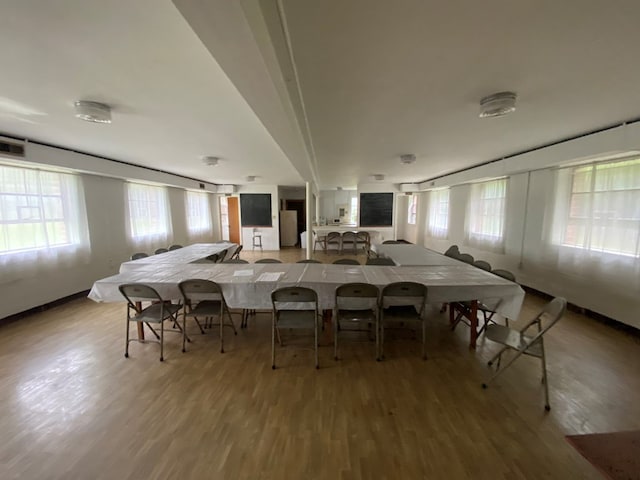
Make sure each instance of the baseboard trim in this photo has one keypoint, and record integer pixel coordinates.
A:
(42, 308)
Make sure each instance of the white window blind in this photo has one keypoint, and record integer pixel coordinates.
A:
(43, 222)
(603, 214)
(149, 217)
(438, 216)
(353, 215)
(412, 210)
(486, 215)
(198, 213)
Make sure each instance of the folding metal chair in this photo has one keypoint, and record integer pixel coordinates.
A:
(346, 261)
(380, 261)
(525, 343)
(174, 247)
(309, 260)
(349, 238)
(294, 307)
(333, 238)
(402, 302)
(204, 299)
(268, 260)
(356, 303)
(139, 255)
(159, 311)
(160, 250)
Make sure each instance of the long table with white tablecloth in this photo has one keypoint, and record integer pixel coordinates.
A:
(250, 285)
(413, 255)
(181, 256)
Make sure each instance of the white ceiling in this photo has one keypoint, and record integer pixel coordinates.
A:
(172, 103)
(365, 81)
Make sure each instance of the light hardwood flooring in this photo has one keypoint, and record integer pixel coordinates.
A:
(74, 408)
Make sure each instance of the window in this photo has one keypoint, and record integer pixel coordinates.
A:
(485, 215)
(198, 213)
(148, 214)
(224, 218)
(438, 220)
(38, 210)
(43, 222)
(353, 216)
(604, 208)
(412, 210)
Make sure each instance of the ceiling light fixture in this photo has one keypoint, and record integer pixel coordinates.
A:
(210, 161)
(378, 176)
(93, 111)
(498, 104)
(407, 158)
(251, 178)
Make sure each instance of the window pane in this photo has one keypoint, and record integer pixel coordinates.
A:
(198, 212)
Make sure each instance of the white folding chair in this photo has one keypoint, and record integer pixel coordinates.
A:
(525, 343)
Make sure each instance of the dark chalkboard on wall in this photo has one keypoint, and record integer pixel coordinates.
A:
(255, 209)
(376, 209)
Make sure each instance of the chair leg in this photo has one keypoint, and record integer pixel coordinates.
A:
(162, 340)
(424, 339)
(126, 346)
(498, 372)
(547, 405)
(233, 325)
(315, 342)
(184, 332)
(152, 330)
(221, 316)
(497, 356)
(273, 342)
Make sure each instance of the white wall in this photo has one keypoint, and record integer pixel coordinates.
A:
(105, 202)
(529, 196)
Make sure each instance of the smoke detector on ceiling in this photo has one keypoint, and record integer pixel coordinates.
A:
(210, 161)
(407, 158)
(251, 178)
(498, 104)
(93, 111)
(377, 177)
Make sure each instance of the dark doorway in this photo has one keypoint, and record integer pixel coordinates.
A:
(298, 206)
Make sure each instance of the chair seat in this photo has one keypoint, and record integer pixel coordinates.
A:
(400, 312)
(512, 339)
(296, 318)
(151, 314)
(367, 315)
(206, 308)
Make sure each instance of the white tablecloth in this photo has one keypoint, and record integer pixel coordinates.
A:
(243, 285)
(181, 256)
(413, 255)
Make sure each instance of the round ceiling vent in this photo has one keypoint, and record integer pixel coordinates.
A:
(498, 104)
(93, 112)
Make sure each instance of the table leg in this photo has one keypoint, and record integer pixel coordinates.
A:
(473, 328)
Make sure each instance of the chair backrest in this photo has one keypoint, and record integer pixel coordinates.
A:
(290, 295)
(309, 260)
(236, 254)
(380, 261)
(139, 255)
(391, 242)
(404, 293)
(195, 290)
(235, 260)
(334, 237)
(452, 251)
(349, 237)
(504, 274)
(466, 258)
(551, 313)
(346, 261)
(174, 247)
(363, 236)
(214, 257)
(256, 232)
(357, 296)
(268, 260)
(134, 292)
(160, 250)
(482, 265)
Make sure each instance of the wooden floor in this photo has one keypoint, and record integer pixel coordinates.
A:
(72, 407)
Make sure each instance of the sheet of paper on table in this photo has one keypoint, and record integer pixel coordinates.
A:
(243, 273)
(269, 277)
